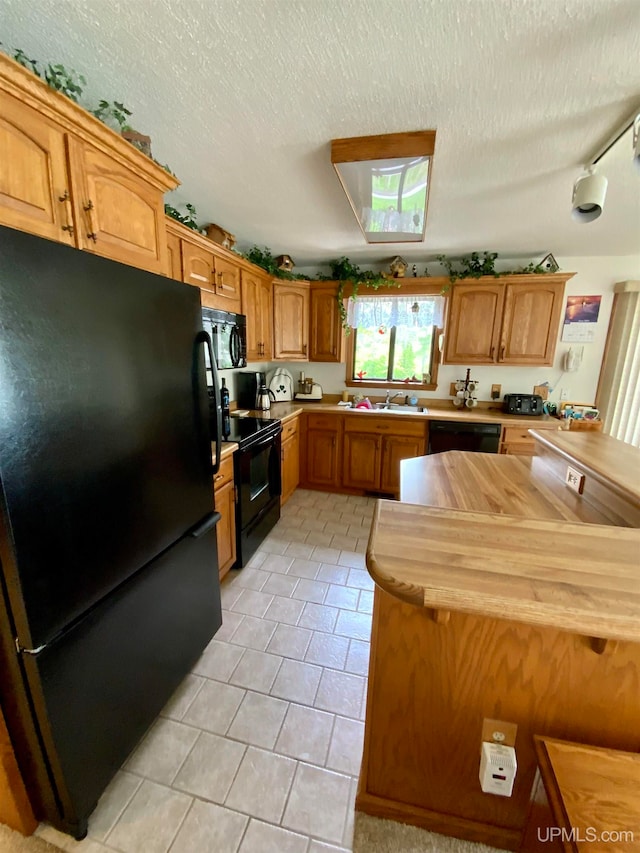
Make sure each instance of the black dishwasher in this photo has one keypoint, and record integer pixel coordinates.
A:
(456, 435)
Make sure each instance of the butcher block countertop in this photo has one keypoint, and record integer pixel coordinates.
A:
(608, 459)
(435, 413)
(495, 541)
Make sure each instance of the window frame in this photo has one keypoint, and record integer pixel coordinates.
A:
(407, 287)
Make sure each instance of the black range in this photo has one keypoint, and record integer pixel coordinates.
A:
(257, 477)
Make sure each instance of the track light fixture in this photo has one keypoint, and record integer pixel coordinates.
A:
(590, 190)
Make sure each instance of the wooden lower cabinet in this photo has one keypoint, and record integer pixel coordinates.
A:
(290, 459)
(373, 449)
(360, 452)
(322, 457)
(395, 448)
(361, 460)
(225, 503)
(516, 440)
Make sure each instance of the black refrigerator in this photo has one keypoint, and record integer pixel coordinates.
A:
(108, 557)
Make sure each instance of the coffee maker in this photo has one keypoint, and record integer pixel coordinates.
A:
(252, 391)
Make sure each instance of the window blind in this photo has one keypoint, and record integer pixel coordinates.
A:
(619, 387)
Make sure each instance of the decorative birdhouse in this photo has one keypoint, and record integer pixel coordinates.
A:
(398, 267)
(549, 263)
(220, 236)
(284, 262)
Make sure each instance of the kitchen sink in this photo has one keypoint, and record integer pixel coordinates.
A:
(400, 408)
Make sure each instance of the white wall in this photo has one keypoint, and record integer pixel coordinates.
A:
(593, 276)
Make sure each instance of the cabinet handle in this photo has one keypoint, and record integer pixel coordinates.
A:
(218, 477)
(66, 200)
(221, 284)
(502, 349)
(93, 234)
(304, 348)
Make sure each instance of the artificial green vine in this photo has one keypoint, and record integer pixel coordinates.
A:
(345, 272)
(188, 219)
(264, 259)
(473, 266)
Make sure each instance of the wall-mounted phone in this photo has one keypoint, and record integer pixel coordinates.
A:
(572, 359)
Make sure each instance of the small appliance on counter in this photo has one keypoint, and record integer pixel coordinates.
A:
(264, 398)
(249, 384)
(523, 404)
(308, 390)
(280, 382)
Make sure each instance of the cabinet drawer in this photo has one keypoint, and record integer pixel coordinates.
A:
(519, 448)
(225, 474)
(323, 421)
(385, 426)
(516, 434)
(289, 428)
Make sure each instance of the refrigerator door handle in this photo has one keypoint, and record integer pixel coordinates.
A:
(203, 338)
(205, 525)
(22, 651)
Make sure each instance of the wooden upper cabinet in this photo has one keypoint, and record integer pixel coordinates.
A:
(530, 323)
(66, 176)
(291, 321)
(325, 329)
(473, 327)
(257, 305)
(174, 259)
(119, 215)
(227, 283)
(514, 321)
(197, 266)
(34, 183)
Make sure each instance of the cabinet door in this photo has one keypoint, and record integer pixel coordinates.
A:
(197, 266)
(226, 528)
(174, 260)
(119, 214)
(325, 329)
(257, 306)
(34, 182)
(473, 326)
(395, 448)
(291, 322)
(322, 458)
(361, 460)
(530, 325)
(290, 467)
(227, 284)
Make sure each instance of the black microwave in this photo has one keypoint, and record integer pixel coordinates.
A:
(228, 334)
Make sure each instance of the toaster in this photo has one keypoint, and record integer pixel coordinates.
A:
(522, 404)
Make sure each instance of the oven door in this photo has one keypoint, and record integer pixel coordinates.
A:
(258, 478)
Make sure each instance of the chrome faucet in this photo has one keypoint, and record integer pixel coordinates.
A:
(388, 398)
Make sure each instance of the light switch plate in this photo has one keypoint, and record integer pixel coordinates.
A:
(574, 479)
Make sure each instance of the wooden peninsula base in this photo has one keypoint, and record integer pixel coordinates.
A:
(552, 645)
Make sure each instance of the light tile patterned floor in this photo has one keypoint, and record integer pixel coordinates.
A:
(259, 749)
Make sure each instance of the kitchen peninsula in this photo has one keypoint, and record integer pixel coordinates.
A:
(500, 594)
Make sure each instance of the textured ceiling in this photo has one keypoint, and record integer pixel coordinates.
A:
(242, 98)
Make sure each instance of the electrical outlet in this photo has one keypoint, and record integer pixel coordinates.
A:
(574, 479)
(564, 394)
(498, 731)
(495, 392)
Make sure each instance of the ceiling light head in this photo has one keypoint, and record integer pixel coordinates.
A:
(589, 193)
(386, 179)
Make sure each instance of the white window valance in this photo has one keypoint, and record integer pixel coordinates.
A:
(374, 312)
